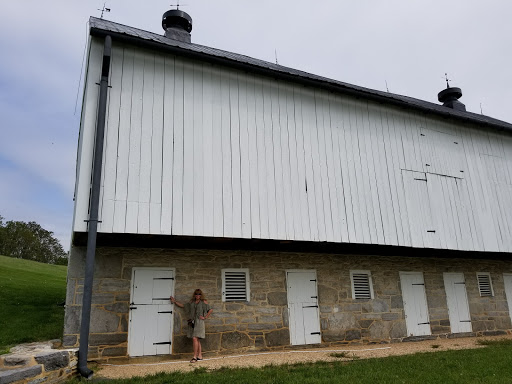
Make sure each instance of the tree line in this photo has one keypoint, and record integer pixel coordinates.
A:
(30, 241)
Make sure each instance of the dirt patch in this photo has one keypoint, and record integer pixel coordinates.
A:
(292, 357)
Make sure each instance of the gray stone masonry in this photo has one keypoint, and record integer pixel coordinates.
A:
(262, 323)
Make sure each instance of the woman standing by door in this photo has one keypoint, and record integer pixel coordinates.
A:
(197, 311)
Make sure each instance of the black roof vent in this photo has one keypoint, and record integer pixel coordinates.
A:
(177, 25)
(450, 98)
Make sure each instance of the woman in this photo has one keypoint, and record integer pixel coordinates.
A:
(197, 310)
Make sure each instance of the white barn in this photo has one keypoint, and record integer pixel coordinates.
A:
(309, 210)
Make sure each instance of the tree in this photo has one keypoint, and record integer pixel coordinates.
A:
(30, 241)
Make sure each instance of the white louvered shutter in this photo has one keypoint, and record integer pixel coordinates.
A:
(484, 284)
(235, 285)
(361, 285)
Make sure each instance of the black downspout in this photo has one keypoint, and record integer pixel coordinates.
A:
(93, 214)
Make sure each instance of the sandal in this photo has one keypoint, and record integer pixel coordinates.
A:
(194, 360)
(198, 359)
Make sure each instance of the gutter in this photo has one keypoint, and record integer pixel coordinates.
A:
(305, 79)
(93, 213)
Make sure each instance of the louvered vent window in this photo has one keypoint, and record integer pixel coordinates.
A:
(361, 284)
(235, 285)
(484, 284)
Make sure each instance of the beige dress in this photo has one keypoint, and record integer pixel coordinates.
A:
(193, 311)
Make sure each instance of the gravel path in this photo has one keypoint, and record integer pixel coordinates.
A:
(291, 357)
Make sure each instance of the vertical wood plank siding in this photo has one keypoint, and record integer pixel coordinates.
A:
(196, 149)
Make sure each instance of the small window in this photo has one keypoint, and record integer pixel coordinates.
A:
(484, 283)
(235, 285)
(362, 287)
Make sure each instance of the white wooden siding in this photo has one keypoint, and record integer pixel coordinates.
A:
(197, 149)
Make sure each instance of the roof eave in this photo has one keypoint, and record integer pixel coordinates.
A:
(283, 75)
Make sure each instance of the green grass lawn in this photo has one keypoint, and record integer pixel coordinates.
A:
(30, 294)
(492, 364)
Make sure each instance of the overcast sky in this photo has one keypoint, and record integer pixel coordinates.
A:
(409, 44)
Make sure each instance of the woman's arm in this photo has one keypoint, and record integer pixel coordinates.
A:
(174, 301)
(207, 313)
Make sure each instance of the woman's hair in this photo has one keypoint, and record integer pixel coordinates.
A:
(197, 292)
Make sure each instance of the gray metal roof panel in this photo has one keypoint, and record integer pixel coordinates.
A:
(102, 26)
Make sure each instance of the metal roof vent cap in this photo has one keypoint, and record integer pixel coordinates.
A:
(177, 25)
(450, 98)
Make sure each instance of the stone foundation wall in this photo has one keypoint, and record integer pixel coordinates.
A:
(262, 323)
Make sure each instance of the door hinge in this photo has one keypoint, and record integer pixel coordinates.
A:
(133, 307)
(314, 297)
(163, 278)
(310, 306)
(461, 283)
(160, 298)
(418, 284)
(313, 280)
(165, 312)
(464, 321)
(163, 343)
(424, 323)
(315, 333)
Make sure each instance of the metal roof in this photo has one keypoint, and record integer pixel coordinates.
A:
(101, 27)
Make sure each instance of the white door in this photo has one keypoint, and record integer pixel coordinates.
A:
(457, 299)
(507, 279)
(415, 303)
(303, 313)
(150, 329)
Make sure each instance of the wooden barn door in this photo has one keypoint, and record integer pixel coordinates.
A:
(150, 329)
(507, 279)
(415, 303)
(457, 299)
(303, 313)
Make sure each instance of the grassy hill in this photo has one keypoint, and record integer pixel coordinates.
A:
(30, 294)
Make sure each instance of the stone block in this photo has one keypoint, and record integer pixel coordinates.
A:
(444, 322)
(76, 264)
(114, 351)
(114, 285)
(260, 327)
(259, 342)
(342, 321)
(107, 338)
(182, 344)
(352, 334)
(120, 307)
(53, 360)
(69, 341)
(353, 307)
(233, 307)
(13, 360)
(270, 319)
(235, 340)
(123, 296)
(398, 329)
(391, 316)
(277, 338)
(211, 342)
(333, 335)
(221, 328)
(277, 298)
(108, 266)
(436, 301)
(72, 319)
(18, 374)
(397, 302)
(327, 295)
(380, 330)
(124, 324)
(494, 333)
(325, 308)
(365, 323)
(103, 321)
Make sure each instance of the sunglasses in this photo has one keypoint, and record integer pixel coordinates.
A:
(197, 294)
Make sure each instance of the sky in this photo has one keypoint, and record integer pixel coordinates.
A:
(405, 46)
